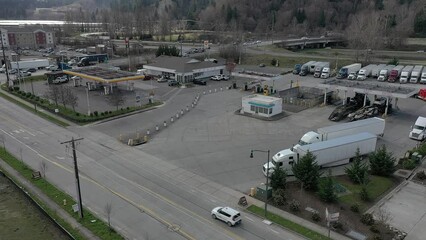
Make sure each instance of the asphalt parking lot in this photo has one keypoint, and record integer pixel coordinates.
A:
(214, 142)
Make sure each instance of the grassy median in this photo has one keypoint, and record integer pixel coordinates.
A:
(94, 224)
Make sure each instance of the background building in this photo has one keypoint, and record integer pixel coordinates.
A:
(27, 37)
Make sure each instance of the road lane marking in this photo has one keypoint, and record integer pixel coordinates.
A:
(145, 209)
(276, 232)
(249, 219)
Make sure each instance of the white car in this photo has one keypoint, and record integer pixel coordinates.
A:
(61, 79)
(24, 74)
(162, 79)
(51, 67)
(216, 78)
(224, 77)
(227, 214)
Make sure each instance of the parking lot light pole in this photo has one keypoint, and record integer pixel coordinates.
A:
(267, 178)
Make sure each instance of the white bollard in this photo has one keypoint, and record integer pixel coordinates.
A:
(192, 105)
(215, 90)
(210, 91)
(181, 112)
(171, 120)
(177, 115)
(157, 128)
(221, 89)
(165, 124)
(204, 92)
(147, 132)
(187, 108)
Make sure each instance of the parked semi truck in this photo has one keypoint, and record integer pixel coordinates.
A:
(406, 74)
(328, 153)
(384, 73)
(344, 71)
(416, 73)
(304, 70)
(319, 67)
(297, 68)
(423, 77)
(418, 131)
(395, 73)
(365, 72)
(92, 59)
(373, 125)
(325, 72)
(36, 63)
(376, 70)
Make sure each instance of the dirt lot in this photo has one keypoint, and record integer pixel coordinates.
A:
(20, 219)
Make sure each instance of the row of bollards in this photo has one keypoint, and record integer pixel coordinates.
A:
(139, 140)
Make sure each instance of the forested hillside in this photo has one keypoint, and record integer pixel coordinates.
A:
(295, 17)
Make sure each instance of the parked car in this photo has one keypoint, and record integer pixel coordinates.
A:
(12, 71)
(31, 70)
(200, 82)
(61, 79)
(51, 67)
(224, 77)
(24, 74)
(262, 65)
(162, 79)
(216, 78)
(227, 214)
(173, 82)
(147, 77)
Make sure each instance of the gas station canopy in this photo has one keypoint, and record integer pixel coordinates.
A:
(104, 75)
(373, 88)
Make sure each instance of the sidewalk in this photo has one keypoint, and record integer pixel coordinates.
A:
(296, 219)
(32, 190)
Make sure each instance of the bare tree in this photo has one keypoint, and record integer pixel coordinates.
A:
(71, 98)
(53, 93)
(383, 216)
(116, 99)
(108, 210)
(43, 168)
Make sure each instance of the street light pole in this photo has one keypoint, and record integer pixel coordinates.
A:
(267, 178)
(88, 103)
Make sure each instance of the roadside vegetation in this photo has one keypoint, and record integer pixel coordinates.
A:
(90, 221)
(350, 195)
(63, 103)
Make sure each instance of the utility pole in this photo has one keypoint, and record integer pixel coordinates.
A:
(77, 179)
(5, 62)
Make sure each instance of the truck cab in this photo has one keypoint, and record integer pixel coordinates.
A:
(352, 76)
(284, 159)
(297, 68)
(418, 131)
(343, 73)
(308, 138)
(383, 75)
(325, 73)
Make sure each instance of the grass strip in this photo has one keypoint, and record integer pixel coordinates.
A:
(95, 225)
(306, 232)
(38, 113)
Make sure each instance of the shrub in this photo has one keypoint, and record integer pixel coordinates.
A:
(77, 114)
(15, 88)
(363, 194)
(37, 98)
(294, 205)
(355, 207)
(367, 219)
(128, 108)
(274, 62)
(421, 175)
(377, 237)
(102, 113)
(28, 94)
(337, 225)
(374, 229)
(110, 112)
(409, 164)
(106, 112)
(316, 217)
(95, 113)
(279, 197)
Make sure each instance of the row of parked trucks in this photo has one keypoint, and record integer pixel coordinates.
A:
(332, 146)
(355, 71)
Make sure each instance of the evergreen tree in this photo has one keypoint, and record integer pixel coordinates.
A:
(382, 162)
(321, 21)
(307, 171)
(420, 22)
(378, 5)
(278, 178)
(326, 189)
(358, 170)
